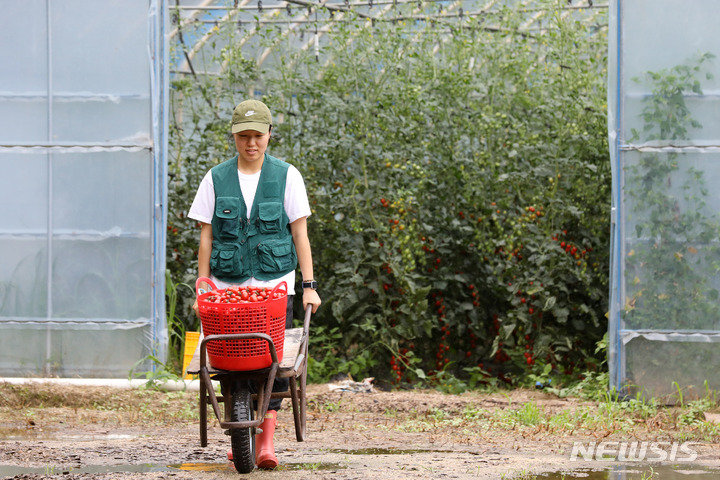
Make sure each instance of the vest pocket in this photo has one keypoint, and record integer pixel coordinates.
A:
(227, 213)
(270, 214)
(226, 260)
(276, 255)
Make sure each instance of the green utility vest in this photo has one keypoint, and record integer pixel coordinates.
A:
(260, 246)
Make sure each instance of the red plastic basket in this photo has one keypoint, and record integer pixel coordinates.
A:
(266, 317)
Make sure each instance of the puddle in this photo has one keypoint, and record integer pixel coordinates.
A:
(319, 466)
(22, 434)
(620, 472)
(43, 436)
(204, 467)
(636, 472)
(11, 471)
(228, 467)
(383, 451)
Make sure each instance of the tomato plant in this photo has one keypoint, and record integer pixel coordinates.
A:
(460, 188)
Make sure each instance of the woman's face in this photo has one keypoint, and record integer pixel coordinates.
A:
(251, 146)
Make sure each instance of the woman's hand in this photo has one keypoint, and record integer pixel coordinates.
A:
(311, 297)
(203, 287)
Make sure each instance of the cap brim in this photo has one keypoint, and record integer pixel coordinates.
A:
(258, 127)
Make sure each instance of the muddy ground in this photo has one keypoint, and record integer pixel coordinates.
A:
(89, 433)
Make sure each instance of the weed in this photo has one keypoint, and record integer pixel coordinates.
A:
(472, 413)
(159, 374)
(529, 414)
(437, 414)
(648, 475)
(176, 326)
(679, 394)
(521, 475)
(324, 406)
(390, 412)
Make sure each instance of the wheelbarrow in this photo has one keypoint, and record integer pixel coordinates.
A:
(246, 394)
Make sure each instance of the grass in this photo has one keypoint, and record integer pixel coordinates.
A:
(629, 418)
(521, 475)
(99, 404)
(473, 418)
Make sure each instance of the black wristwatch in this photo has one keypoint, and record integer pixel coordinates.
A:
(310, 284)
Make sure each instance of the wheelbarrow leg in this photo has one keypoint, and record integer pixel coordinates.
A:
(298, 406)
(295, 408)
(203, 413)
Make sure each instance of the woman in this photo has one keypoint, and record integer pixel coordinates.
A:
(253, 213)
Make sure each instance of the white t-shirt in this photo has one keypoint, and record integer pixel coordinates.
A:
(296, 206)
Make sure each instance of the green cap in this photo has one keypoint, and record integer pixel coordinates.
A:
(251, 115)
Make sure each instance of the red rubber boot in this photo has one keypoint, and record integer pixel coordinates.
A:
(264, 447)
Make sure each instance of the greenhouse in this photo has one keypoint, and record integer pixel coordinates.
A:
(495, 184)
(664, 82)
(83, 155)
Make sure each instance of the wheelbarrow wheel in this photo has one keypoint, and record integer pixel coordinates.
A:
(242, 439)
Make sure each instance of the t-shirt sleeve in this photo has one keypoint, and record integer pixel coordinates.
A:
(203, 206)
(296, 200)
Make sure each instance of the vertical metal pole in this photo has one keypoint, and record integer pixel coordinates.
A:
(159, 93)
(154, 21)
(48, 335)
(619, 269)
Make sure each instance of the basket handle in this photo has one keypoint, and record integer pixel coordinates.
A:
(199, 291)
(281, 284)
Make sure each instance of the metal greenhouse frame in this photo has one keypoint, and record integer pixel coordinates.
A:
(303, 24)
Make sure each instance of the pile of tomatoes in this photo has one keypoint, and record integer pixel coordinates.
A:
(246, 294)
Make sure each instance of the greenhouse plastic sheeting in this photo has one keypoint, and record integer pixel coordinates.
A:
(664, 132)
(83, 146)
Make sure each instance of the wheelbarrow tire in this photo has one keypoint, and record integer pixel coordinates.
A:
(242, 439)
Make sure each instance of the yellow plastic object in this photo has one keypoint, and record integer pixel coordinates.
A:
(191, 341)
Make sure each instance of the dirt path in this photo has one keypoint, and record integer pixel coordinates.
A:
(69, 433)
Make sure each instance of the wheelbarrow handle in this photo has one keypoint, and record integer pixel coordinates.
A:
(306, 320)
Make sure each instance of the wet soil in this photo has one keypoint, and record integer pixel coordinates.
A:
(50, 431)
